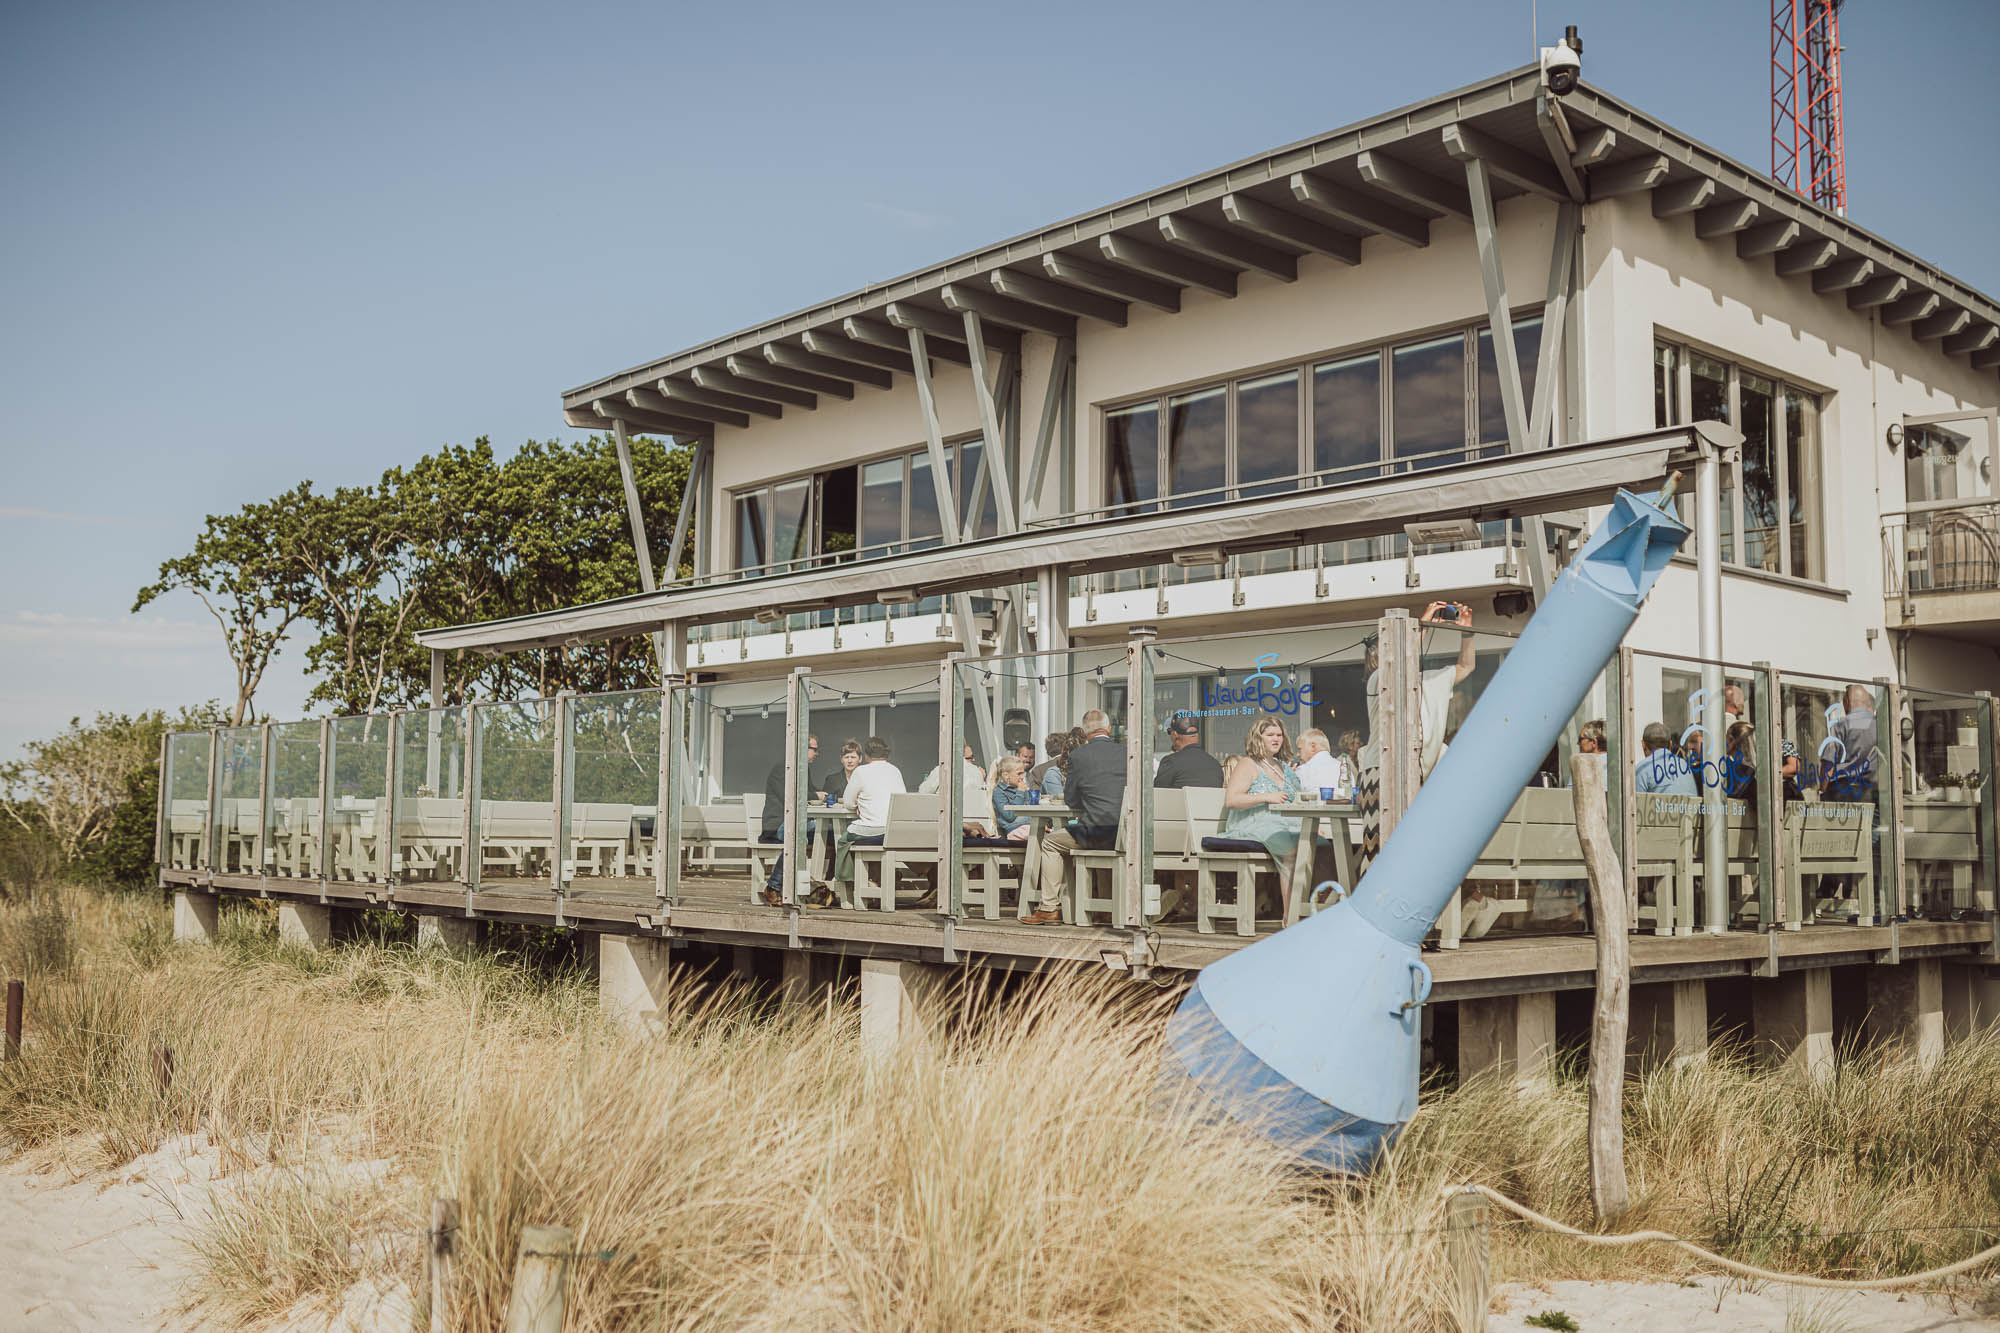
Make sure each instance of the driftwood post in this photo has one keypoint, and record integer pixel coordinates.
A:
(15, 996)
(535, 1305)
(1611, 1018)
(1467, 1255)
(444, 1241)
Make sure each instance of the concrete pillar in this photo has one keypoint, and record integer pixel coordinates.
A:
(1906, 1006)
(454, 934)
(1511, 1034)
(632, 978)
(1792, 1017)
(1669, 1024)
(893, 998)
(194, 916)
(1961, 1001)
(308, 925)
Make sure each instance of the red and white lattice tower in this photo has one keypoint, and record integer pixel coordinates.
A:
(1806, 149)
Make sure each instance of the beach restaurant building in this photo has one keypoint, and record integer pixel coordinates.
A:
(1212, 452)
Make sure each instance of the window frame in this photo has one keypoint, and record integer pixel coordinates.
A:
(1306, 475)
(767, 490)
(1682, 410)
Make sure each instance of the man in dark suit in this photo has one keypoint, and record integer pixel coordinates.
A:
(1189, 765)
(1095, 790)
(774, 818)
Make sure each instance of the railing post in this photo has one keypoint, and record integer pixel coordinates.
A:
(164, 807)
(213, 805)
(951, 789)
(323, 848)
(1889, 821)
(1988, 816)
(469, 822)
(1623, 787)
(1767, 706)
(267, 850)
(1138, 813)
(798, 788)
(392, 779)
(673, 791)
(1398, 706)
(559, 718)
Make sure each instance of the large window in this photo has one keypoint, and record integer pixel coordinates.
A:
(1400, 407)
(1771, 493)
(877, 508)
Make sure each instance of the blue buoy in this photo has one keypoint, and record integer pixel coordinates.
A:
(1312, 1036)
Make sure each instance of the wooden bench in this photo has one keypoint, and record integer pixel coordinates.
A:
(1217, 871)
(517, 837)
(429, 833)
(600, 838)
(1940, 840)
(909, 838)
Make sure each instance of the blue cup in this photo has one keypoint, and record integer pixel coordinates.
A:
(829, 800)
(1034, 798)
(1326, 794)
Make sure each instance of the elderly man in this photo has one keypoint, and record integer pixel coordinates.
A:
(1096, 791)
(1319, 768)
(1660, 770)
(1188, 765)
(867, 795)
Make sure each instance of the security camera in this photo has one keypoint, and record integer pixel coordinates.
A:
(1563, 63)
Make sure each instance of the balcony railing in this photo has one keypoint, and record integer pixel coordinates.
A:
(1949, 549)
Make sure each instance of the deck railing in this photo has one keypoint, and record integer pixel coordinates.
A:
(1826, 814)
(1944, 549)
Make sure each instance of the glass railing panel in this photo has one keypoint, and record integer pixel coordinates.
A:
(613, 782)
(1945, 784)
(1836, 803)
(236, 826)
(514, 794)
(732, 736)
(186, 784)
(430, 796)
(291, 819)
(357, 806)
(1254, 755)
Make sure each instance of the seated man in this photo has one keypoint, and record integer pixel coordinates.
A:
(1661, 770)
(1096, 791)
(1319, 768)
(774, 818)
(973, 795)
(867, 795)
(1189, 765)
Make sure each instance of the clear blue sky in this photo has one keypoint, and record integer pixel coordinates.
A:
(243, 245)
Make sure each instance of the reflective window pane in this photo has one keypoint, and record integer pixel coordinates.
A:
(1267, 433)
(791, 522)
(1757, 398)
(1492, 407)
(1347, 418)
(750, 530)
(882, 505)
(1197, 447)
(1132, 456)
(972, 453)
(1666, 385)
(926, 524)
(1802, 467)
(1427, 396)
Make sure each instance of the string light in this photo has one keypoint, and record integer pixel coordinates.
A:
(766, 711)
(892, 698)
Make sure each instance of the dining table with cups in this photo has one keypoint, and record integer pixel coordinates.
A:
(1040, 812)
(1312, 809)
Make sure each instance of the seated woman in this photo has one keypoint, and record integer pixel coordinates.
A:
(1055, 773)
(1010, 787)
(1262, 778)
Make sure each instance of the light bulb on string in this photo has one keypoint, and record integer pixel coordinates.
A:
(728, 716)
(892, 698)
(765, 712)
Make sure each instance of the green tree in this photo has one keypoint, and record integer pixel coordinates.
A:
(241, 572)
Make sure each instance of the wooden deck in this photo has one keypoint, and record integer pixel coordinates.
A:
(720, 910)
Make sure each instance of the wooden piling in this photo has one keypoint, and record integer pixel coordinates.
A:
(535, 1305)
(1466, 1252)
(443, 1254)
(16, 999)
(163, 1069)
(1611, 1017)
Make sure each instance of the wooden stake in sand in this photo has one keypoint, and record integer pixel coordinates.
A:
(163, 1069)
(444, 1242)
(1466, 1253)
(535, 1305)
(1611, 1018)
(16, 994)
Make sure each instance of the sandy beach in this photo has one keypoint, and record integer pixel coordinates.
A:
(1717, 1305)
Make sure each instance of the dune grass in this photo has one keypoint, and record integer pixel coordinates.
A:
(747, 1168)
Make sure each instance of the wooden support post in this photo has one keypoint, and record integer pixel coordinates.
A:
(444, 1241)
(535, 1305)
(15, 1000)
(1467, 1252)
(163, 1069)
(1611, 1016)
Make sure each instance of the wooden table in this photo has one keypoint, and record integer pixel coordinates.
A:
(1039, 817)
(1309, 814)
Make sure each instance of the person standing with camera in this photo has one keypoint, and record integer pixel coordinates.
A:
(1434, 691)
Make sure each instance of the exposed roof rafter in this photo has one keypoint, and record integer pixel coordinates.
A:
(1261, 218)
(1360, 210)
